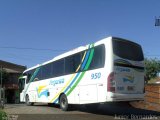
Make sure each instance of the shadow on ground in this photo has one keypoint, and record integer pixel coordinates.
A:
(114, 108)
(120, 109)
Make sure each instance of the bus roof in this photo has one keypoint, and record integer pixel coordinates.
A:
(73, 51)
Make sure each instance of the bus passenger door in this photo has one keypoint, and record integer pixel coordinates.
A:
(22, 84)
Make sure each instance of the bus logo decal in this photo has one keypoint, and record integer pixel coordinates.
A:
(42, 91)
(56, 82)
(128, 79)
(123, 69)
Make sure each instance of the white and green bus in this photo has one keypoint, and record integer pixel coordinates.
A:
(111, 69)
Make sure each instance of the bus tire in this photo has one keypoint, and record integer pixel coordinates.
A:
(28, 103)
(63, 102)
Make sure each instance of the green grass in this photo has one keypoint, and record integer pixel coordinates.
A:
(3, 115)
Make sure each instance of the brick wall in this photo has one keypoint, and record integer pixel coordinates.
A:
(152, 98)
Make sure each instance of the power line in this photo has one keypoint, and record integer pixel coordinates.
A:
(13, 56)
(29, 48)
(154, 55)
(151, 54)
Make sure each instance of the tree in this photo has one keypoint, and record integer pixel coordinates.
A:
(152, 67)
(5, 76)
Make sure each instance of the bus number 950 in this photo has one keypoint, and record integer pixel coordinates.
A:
(95, 75)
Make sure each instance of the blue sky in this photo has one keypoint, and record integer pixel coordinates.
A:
(66, 24)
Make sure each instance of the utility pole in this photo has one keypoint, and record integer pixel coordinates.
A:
(1, 84)
(1, 76)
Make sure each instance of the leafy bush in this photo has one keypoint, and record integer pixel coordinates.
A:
(3, 115)
(152, 67)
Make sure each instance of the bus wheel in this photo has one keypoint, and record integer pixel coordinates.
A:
(63, 102)
(28, 103)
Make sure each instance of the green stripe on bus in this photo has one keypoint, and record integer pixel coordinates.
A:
(79, 79)
(89, 60)
(86, 67)
(31, 80)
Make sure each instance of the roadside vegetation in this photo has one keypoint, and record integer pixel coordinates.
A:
(152, 69)
(5, 75)
(3, 115)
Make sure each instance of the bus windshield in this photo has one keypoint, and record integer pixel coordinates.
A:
(21, 84)
(127, 50)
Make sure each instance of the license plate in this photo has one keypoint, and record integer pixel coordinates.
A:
(130, 88)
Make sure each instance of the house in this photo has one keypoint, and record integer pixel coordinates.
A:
(9, 74)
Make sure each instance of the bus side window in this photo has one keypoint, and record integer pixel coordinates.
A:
(58, 68)
(46, 71)
(72, 63)
(29, 75)
(98, 57)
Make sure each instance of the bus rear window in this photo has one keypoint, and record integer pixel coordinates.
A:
(127, 50)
